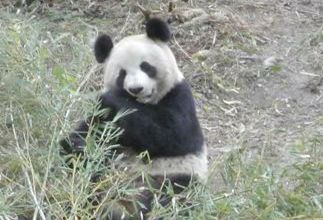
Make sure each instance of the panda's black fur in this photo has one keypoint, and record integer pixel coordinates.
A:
(156, 29)
(167, 129)
(102, 47)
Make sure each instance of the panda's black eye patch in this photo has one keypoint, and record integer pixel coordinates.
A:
(150, 70)
(121, 77)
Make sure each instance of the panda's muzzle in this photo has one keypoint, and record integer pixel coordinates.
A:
(135, 90)
(145, 99)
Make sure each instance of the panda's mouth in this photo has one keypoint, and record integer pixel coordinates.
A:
(146, 98)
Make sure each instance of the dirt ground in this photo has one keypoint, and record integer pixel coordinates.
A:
(278, 100)
(255, 66)
(256, 72)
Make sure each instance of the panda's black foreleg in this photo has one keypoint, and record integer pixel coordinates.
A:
(75, 142)
(157, 187)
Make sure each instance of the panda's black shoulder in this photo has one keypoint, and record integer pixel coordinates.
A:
(169, 128)
(179, 95)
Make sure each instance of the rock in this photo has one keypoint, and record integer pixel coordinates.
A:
(305, 2)
(201, 55)
(321, 47)
(192, 13)
(189, 16)
(271, 61)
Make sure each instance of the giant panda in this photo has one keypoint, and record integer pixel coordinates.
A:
(141, 73)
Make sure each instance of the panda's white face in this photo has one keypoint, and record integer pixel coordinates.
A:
(145, 68)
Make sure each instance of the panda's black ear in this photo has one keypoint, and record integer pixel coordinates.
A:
(102, 47)
(157, 29)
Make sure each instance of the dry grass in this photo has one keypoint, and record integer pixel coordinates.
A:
(46, 83)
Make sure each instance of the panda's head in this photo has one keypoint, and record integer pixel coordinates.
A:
(143, 65)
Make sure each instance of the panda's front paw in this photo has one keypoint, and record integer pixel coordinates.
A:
(115, 100)
(144, 100)
(74, 144)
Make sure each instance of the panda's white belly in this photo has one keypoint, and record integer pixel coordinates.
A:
(191, 164)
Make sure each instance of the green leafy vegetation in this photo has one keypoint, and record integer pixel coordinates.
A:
(44, 72)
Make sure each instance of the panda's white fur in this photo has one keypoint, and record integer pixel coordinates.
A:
(165, 124)
(129, 53)
(190, 164)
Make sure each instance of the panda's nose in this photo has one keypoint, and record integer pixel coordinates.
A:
(136, 90)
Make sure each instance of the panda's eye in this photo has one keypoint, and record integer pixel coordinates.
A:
(150, 70)
(121, 77)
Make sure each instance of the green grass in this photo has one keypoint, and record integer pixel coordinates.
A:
(44, 73)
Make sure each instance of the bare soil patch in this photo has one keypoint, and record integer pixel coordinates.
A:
(255, 66)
